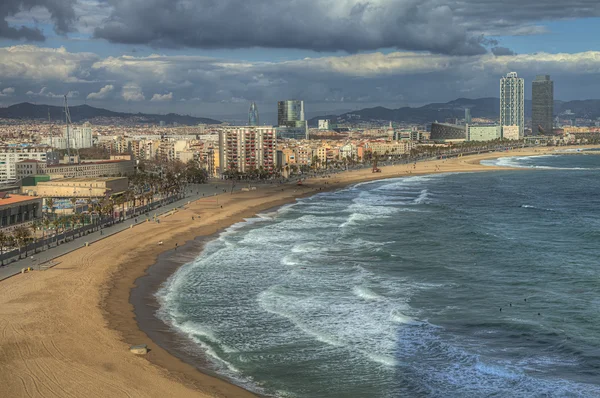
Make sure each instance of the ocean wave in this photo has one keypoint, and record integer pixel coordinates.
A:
(520, 162)
(366, 293)
(535, 208)
(398, 317)
(423, 196)
(266, 301)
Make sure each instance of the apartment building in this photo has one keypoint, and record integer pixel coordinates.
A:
(248, 148)
(11, 155)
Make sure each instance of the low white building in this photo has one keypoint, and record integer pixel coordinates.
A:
(511, 132)
(483, 133)
(324, 124)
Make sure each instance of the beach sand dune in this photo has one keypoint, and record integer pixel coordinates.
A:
(66, 332)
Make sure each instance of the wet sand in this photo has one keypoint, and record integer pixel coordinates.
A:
(66, 331)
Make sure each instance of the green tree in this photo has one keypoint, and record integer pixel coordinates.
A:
(21, 236)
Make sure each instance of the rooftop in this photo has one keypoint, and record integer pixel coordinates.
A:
(12, 199)
(83, 179)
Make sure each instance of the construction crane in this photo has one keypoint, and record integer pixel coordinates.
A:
(68, 122)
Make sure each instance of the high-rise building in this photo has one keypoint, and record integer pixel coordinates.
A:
(248, 148)
(290, 113)
(468, 116)
(290, 119)
(79, 136)
(512, 102)
(542, 105)
(253, 115)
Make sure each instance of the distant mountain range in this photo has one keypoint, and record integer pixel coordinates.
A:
(82, 113)
(481, 107)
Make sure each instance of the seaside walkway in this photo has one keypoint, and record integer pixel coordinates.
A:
(193, 192)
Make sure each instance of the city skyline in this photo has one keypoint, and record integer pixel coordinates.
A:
(379, 54)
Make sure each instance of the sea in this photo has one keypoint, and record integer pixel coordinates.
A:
(479, 284)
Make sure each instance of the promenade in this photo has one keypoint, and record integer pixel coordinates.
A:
(34, 260)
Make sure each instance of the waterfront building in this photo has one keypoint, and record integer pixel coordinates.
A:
(11, 155)
(247, 148)
(253, 119)
(18, 210)
(483, 133)
(511, 132)
(79, 187)
(512, 102)
(448, 132)
(542, 105)
(99, 168)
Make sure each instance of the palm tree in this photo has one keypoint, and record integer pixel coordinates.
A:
(4, 238)
(74, 203)
(46, 224)
(22, 236)
(50, 205)
(34, 227)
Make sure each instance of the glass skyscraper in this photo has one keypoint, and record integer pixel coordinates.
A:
(253, 115)
(290, 113)
(512, 102)
(542, 105)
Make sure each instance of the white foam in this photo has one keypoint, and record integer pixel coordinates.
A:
(422, 197)
(398, 317)
(366, 293)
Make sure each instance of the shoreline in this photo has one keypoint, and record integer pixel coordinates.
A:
(82, 307)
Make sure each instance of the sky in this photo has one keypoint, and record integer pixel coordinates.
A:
(213, 57)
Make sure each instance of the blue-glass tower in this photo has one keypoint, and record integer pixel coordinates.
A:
(253, 115)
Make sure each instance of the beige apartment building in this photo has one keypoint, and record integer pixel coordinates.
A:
(79, 187)
(247, 148)
(100, 168)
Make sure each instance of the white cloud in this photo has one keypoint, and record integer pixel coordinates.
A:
(132, 92)
(33, 63)
(44, 92)
(102, 94)
(7, 92)
(162, 97)
(393, 79)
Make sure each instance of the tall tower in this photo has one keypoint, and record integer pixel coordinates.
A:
(253, 115)
(468, 116)
(290, 113)
(542, 105)
(512, 102)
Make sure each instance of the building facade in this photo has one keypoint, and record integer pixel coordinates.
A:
(483, 133)
(248, 148)
(510, 133)
(103, 168)
(542, 91)
(79, 187)
(11, 155)
(290, 113)
(512, 102)
(448, 132)
(79, 136)
(19, 210)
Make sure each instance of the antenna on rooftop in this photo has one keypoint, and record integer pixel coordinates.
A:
(68, 122)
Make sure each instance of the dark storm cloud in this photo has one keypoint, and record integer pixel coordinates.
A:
(447, 27)
(321, 25)
(500, 51)
(61, 12)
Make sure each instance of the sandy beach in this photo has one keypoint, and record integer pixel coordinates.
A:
(66, 331)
